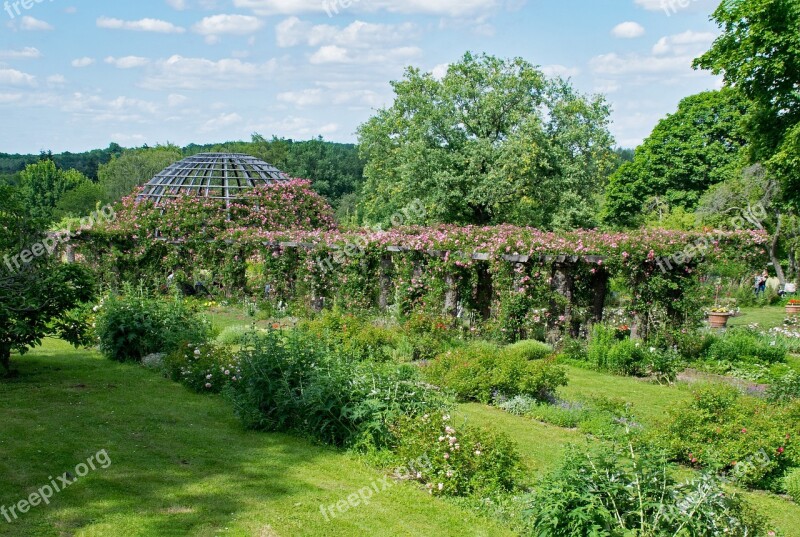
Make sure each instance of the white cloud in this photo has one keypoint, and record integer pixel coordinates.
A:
(20, 54)
(221, 122)
(82, 62)
(56, 80)
(332, 54)
(683, 43)
(179, 5)
(12, 77)
(178, 72)
(673, 7)
(307, 97)
(452, 8)
(176, 99)
(143, 25)
(439, 71)
(31, 24)
(228, 24)
(127, 62)
(615, 64)
(6, 98)
(293, 31)
(560, 71)
(628, 30)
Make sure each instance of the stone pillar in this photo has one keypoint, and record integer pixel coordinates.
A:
(599, 292)
(450, 296)
(563, 284)
(484, 291)
(386, 282)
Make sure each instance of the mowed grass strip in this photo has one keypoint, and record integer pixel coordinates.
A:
(181, 463)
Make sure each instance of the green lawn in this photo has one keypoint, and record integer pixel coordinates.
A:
(766, 317)
(180, 463)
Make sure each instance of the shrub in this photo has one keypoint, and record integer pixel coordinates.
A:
(292, 382)
(460, 460)
(792, 484)
(617, 491)
(134, 325)
(725, 431)
(204, 368)
(528, 349)
(745, 346)
(428, 336)
(480, 372)
(785, 388)
(353, 336)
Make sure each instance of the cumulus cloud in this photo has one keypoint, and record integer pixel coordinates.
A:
(628, 30)
(127, 62)
(178, 72)
(82, 62)
(451, 8)
(12, 77)
(143, 25)
(294, 31)
(217, 25)
(27, 53)
(30, 24)
(560, 70)
(687, 42)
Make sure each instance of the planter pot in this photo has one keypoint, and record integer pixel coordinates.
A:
(793, 310)
(718, 320)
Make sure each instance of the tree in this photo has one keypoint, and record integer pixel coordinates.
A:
(698, 146)
(494, 141)
(43, 184)
(759, 53)
(751, 199)
(35, 297)
(133, 168)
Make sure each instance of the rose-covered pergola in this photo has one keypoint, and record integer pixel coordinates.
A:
(281, 237)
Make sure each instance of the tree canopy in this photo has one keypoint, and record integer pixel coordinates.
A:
(689, 151)
(494, 141)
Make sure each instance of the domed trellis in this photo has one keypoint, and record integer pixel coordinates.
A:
(222, 176)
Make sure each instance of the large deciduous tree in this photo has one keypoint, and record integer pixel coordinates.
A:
(493, 141)
(133, 168)
(43, 184)
(35, 297)
(698, 146)
(759, 53)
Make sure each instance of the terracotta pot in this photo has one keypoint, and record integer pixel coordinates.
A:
(718, 320)
(793, 310)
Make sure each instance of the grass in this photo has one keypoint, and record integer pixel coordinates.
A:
(181, 464)
(766, 317)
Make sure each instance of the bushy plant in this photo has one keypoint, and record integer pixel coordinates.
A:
(618, 491)
(133, 325)
(480, 371)
(354, 336)
(203, 368)
(293, 382)
(785, 388)
(461, 460)
(528, 349)
(725, 431)
(427, 335)
(238, 335)
(741, 345)
(791, 484)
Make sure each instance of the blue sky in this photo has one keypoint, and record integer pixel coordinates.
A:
(76, 75)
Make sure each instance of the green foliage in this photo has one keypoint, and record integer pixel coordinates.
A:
(725, 431)
(686, 153)
(41, 298)
(79, 202)
(133, 325)
(457, 460)
(610, 349)
(204, 368)
(528, 349)
(353, 336)
(481, 371)
(757, 53)
(792, 484)
(238, 335)
(291, 382)
(43, 184)
(491, 142)
(740, 345)
(617, 491)
(785, 388)
(134, 167)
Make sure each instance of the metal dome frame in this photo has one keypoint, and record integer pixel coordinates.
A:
(220, 176)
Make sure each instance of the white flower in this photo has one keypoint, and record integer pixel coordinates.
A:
(446, 417)
(478, 452)
(197, 352)
(441, 486)
(209, 377)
